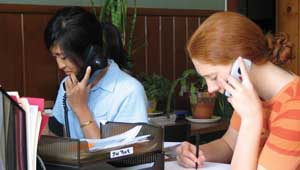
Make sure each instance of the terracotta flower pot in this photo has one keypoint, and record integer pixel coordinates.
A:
(204, 107)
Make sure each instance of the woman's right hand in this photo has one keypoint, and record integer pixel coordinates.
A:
(78, 92)
(186, 155)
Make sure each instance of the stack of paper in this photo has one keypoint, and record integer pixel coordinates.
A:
(126, 138)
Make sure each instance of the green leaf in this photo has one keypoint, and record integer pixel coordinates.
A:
(93, 6)
(183, 88)
(132, 28)
(193, 94)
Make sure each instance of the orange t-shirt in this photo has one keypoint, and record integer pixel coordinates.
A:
(280, 137)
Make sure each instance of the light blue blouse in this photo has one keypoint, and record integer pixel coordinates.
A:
(116, 97)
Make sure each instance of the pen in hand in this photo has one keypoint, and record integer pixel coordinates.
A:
(197, 150)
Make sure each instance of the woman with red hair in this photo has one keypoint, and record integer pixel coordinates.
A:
(264, 131)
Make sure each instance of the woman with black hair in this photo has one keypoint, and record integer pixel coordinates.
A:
(95, 88)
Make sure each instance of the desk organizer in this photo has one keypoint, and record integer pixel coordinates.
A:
(67, 153)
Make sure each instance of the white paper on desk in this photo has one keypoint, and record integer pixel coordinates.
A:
(173, 165)
(126, 138)
(171, 144)
(136, 167)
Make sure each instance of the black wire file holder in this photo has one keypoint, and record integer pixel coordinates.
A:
(66, 153)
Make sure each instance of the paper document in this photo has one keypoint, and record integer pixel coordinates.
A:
(173, 165)
(126, 138)
(171, 144)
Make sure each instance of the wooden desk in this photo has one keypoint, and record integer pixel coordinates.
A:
(204, 128)
(182, 130)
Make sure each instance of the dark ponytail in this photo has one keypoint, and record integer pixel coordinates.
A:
(112, 45)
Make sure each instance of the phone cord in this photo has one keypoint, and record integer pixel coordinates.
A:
(66, 115)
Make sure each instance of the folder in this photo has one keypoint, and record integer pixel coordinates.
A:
(40, 102)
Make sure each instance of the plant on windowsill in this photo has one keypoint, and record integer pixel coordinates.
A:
(202, 103)
(156, 88)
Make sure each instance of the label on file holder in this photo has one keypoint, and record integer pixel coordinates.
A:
(121, 152)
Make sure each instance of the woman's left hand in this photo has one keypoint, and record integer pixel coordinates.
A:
(244, 98)
(78, 92)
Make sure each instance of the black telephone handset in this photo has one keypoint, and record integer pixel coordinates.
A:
(96, 61)
(93, 59)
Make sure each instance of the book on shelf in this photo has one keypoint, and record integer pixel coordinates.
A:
(35, 123)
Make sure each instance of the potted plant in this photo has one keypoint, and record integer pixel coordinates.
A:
(156, 87)
(202, 103)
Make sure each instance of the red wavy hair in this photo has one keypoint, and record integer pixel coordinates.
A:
(224, 36)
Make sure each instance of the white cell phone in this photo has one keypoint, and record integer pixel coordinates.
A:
(236, 71)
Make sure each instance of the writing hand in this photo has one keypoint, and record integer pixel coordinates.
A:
(186, 155)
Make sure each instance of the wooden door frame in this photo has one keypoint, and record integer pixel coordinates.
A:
(232, 5)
